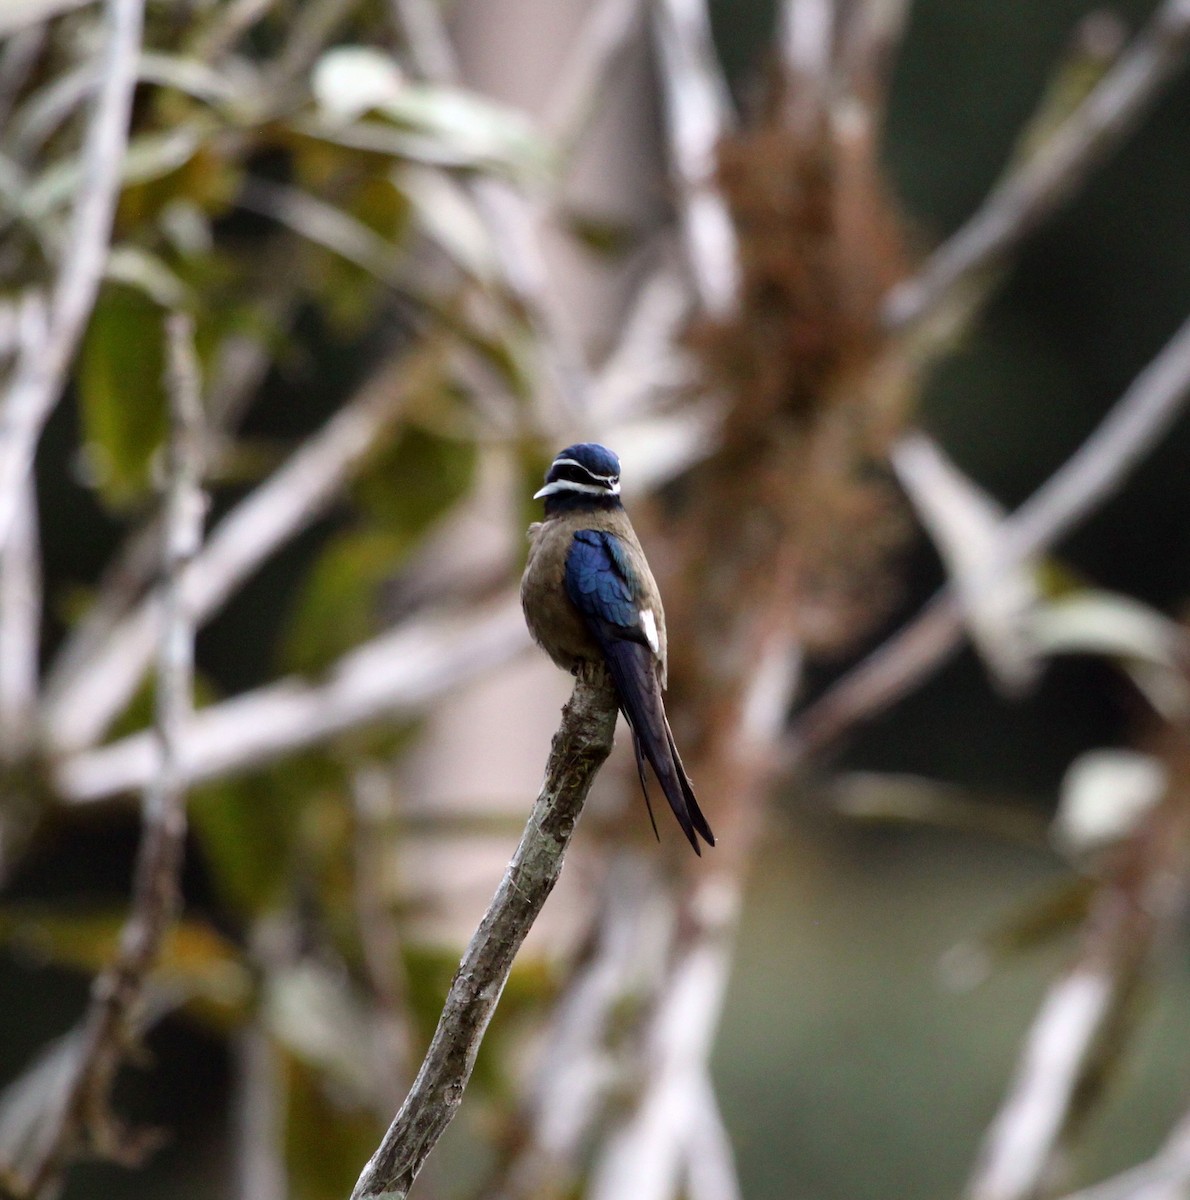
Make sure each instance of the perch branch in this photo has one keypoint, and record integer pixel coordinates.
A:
(1129, 431)
(41, 368)
(579, 748)
(1046, 179)
(583, 1060)
(114, 1016)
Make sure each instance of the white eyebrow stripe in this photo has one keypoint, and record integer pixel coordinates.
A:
(648, 622)
(571, 462)
(568, 485)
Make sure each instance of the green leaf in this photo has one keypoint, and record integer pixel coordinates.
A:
(1038, 922)
(137, 268)
(448, 125)
(149, 157)
(252, 830)
(326, 1140)
(415, 480)
(122, 392)
(404, 489)
(207, 969)
(338, 607)
(245, 838)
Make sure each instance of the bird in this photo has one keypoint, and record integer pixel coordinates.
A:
(590, 598)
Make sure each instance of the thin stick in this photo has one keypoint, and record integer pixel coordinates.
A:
(514, 221)
(1093, 473)
(114, 1016)
(20, 626)
(259, 1117)
(78, 708)
(698, 113)
(426, 40)
(599, 47)
(379, 933)
(398, 674)
(40, 371)
(1083, 1013)
(579, 749)
(1162, 1177)
(1048, 178)
(648, 1154)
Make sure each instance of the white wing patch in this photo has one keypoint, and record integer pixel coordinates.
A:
(648, 623)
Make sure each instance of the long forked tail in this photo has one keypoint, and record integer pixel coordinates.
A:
(634, 674)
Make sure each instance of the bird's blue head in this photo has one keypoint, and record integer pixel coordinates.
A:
(586, 475)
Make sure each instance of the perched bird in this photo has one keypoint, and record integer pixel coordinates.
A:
(589, 597)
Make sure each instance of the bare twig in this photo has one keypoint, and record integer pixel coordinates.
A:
(710, 1160)
(380, 941)
(580, 746)
(81, 705)
(426, 40)
(1083, 1011)
(1129, 431)
(646, 1157)
(17, 58)
(114, 1017)
(805, 40)
(394, 675)
(19, 14)
(1048, 178)
(239, 366)
(869, 42)
(307, 36)
(698, 111)
(646, 364)
(232, 21)
(583, 79)
(20, 628)
(1165, 1176)
(514, 220)
(41, 368)
(259, 1117)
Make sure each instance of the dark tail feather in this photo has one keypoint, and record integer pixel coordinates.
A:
(699, 821)
(633, 672)
(640, 771)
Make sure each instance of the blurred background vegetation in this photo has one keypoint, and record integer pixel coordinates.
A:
(886, 971)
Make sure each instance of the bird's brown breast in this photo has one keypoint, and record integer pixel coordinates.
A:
(555, 623)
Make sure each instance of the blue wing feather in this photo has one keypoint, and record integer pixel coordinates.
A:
(601, 583)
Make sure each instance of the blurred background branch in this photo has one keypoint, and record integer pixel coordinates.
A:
(421, 245)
